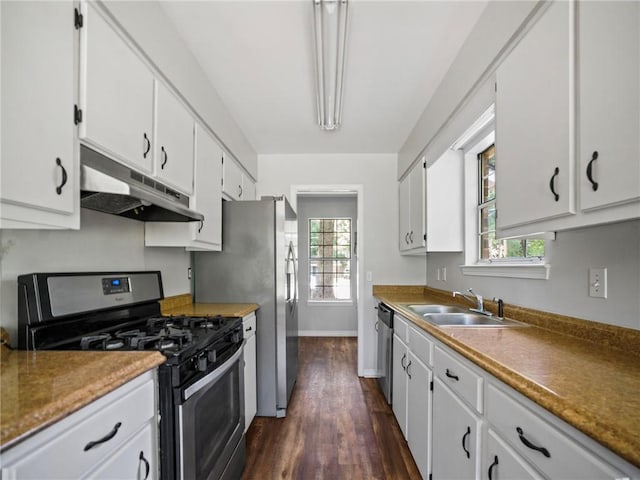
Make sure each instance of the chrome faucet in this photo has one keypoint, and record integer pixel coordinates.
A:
(479, 301)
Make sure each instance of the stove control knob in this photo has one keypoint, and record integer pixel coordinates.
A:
(211, 356)
(201, 364)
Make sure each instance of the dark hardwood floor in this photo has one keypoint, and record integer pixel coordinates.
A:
(338, 426)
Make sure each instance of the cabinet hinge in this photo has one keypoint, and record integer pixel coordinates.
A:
(77, 115)
(424, 237)
(78, 19)
(431, 388)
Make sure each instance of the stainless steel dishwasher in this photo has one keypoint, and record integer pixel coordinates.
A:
(384, 326)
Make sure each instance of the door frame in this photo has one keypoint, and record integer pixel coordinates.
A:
(341, 190)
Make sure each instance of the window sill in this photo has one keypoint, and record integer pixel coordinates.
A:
(535, 272)
(329, 303)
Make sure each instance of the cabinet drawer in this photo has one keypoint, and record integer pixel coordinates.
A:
(64, 455)
(459, 378)
(401, 327)
(134, 460)
(549, 450)
(421, 346)
(249, 325)
(503, 462)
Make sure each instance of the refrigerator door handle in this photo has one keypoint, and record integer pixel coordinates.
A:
(292, 274)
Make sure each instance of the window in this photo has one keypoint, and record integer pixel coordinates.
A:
(329, 259)
(489, 248)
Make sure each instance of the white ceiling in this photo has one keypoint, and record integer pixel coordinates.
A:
(259, 56)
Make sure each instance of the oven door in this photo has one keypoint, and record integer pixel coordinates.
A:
(211, 424)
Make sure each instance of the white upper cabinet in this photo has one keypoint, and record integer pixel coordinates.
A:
(609, 103)
(207, 199)
(174, 141)
(117, 95)
(40, 169)
(236, 185)
(412, 214)
(208, 194)
(535, 122)
(404, 215)
(445, 197)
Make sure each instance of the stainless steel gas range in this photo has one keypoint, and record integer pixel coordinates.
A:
(201, 397)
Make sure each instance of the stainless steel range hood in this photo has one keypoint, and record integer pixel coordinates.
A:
(110, 187)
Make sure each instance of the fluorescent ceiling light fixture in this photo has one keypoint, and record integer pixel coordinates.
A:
(331, 41)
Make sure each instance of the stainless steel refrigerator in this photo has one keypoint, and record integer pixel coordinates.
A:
(258, 264)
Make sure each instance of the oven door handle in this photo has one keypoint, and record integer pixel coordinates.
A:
(215, 375)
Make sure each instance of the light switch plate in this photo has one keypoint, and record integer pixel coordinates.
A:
(598, 282)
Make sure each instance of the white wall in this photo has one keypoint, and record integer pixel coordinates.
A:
(104, 243)
(477, 58)
(379, 237)
(149, 26)
(614, 246)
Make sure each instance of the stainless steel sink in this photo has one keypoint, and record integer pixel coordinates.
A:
(468, 320)
(431, 309)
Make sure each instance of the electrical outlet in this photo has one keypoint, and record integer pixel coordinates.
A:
(369, 276)
(189, 273)
(438, 274)
(444, 274)
(598, 282)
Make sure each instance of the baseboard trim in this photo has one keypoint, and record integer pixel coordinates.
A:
(328, 333)
(371, 373)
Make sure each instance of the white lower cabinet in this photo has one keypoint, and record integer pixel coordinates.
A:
(250, 370)
(133, 460)
(419, 412)
(541, 444)
(411, 395)
(500, 462)
(113, 437)
(456, 436)
(399, 383)
(462, 423)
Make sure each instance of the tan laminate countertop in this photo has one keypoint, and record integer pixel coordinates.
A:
(40, 388)
(183, 305)
(208, 309)
(591, 386)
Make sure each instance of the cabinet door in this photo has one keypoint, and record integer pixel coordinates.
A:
(232, 178)
(535, 123)
(174, 141)
(455, 430)
(117, 95)
(419, 413)
(248, 188)
(404, 216)
(39, 157)
(609, 103)
(399, 383)
(208, 190)
(417, 214)
(136, 459)
(500, 462)
(250, 381)
(445, 203)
